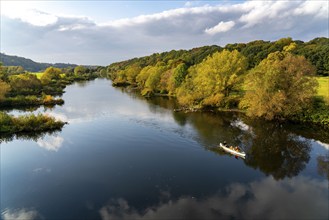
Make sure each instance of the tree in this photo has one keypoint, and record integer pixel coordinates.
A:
(153, 80)
(179, 74)
(4, 88)
(215, 78)
(25, 84)
(3, 72)
(80, 70)
(51, 73)
(132, 72)
(143, 76)
(280, 86)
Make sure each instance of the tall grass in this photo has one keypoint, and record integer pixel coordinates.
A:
(28, 123)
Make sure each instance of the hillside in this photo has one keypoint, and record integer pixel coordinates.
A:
(28, 64)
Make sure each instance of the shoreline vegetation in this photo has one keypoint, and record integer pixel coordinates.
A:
(20, 89)
(276, 81)
(27, 125)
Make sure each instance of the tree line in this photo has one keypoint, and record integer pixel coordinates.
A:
(273, 80)
(30, 65)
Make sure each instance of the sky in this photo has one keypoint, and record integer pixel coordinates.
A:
(103, 32)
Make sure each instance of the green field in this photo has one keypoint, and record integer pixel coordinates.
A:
(38, 74)
(323, 89)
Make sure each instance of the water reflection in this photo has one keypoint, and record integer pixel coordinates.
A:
(51, 143)
(125, 146)
(324, 145)
(323, 165)
(277, 149)
(264, 199)
(35, 136)
(271, 147)
(20, 214)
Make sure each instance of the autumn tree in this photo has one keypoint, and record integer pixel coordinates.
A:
(51, 73)
(215, 78)
(3, 73)
(132, 72)
(143, 76)
(25, 84)
(280, 86)
(4, 88)
(152, 82)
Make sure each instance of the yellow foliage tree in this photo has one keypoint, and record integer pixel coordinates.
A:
(214, 79)
(280, 86)
(4, 88)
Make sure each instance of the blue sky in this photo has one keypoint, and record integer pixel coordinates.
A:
(102, 32)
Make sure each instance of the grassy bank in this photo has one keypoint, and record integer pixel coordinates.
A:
(28, 123)
(323, 89)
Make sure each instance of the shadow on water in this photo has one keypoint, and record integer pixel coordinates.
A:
(278, 149)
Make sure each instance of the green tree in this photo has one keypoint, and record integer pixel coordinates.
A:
(80, 70)
(179, 74)
(280, 86)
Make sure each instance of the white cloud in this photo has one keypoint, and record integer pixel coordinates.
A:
(220, 27)
(318, 8)
(47, 37)
(27, 12)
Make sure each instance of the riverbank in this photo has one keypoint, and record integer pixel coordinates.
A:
(317, 115)
(20, 101)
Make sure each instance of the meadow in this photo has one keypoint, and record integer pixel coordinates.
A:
(323, 89)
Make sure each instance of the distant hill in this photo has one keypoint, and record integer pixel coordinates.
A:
(28, 64)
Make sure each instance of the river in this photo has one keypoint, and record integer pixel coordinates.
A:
(126, 157)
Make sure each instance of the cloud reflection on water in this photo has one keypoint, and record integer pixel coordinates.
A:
(298, 198)
(51, 143)
(20, 214)
(325, 145)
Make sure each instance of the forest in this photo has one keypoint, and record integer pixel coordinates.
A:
(272, 80)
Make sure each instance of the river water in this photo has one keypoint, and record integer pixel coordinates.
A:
(125, 157)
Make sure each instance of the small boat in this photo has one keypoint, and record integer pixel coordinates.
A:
(231, 151)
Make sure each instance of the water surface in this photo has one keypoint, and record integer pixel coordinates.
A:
(125, 157)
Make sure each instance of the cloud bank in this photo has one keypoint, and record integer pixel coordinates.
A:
(56, 38)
